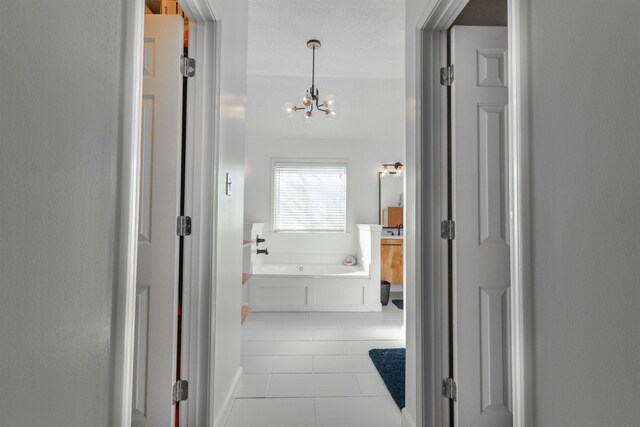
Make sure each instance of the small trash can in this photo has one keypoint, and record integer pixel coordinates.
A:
(385, 289)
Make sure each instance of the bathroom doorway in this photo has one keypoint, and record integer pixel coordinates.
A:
(313, 213)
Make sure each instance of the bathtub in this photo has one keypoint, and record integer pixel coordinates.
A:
(311, 287)
(317, 282)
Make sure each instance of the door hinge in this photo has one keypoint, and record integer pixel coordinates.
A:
(446, 75)
(184, 226)
(449, 389)
(448, 229)
(187, 66)
(180, 391)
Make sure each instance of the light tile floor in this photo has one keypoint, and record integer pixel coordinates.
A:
(313, 370)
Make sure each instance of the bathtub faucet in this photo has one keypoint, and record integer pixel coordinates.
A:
(263, 251)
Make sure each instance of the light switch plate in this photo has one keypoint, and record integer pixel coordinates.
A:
(227, 190)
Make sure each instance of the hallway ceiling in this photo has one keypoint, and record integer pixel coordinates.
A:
(360, 38)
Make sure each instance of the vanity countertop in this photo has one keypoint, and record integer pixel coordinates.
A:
(392, 237)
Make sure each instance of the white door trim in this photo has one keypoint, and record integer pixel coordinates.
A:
(430, 137)
(202, 154)
(198, 327)
(519, 185)
(129, 178)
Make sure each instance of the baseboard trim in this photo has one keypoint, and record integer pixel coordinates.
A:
(221, 420)
(407, 421)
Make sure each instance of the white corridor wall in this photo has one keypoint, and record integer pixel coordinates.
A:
(585, 198)
(59, 148)
(228, 209)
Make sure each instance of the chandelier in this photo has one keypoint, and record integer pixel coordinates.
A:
(311, 99)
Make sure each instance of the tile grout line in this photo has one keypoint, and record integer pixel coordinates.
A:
(266, 396)
(315, 413)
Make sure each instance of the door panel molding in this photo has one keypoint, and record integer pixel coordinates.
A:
(492, 68)
(492, 174)
(494, 360)
(146, 168)
(141, 354)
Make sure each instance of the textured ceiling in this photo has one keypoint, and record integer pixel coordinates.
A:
(360, 38)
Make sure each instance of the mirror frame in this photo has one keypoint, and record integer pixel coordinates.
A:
(380, 200)
(398, 166)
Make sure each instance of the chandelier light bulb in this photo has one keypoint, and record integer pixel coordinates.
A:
(329, 101)
(306, 99)
(308, 114)
(289, 109)
(331, 114)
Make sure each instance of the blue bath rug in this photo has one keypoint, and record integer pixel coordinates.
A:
(390, 363)
(398, 303)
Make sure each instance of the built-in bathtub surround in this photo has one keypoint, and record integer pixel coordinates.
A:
(315, 271)
(317, 282)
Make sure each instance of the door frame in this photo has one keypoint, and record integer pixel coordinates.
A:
(430, 209)
(198, 326)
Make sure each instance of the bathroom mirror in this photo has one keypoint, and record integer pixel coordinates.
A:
(391, 195)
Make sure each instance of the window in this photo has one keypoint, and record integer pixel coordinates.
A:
(309, 197)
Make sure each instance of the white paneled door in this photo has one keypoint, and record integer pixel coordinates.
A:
(157, 282)
(480, 210)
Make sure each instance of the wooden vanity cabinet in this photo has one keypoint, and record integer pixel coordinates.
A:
(392, 253)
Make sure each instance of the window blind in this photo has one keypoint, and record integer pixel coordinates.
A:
(310, 197)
